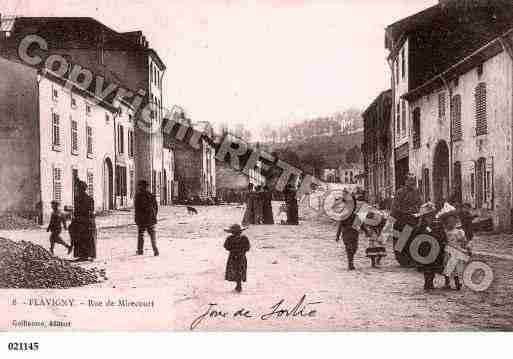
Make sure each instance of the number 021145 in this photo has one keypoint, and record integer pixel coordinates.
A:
(23, 346)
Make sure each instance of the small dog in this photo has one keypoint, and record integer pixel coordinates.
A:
(191, 210)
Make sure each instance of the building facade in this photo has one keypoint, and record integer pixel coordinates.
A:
(195, 168)
(459, 98)
(120, 58)
(52, 136)
(351, 174)
(377, 148)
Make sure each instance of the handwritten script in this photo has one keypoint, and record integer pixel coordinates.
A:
(278, 311)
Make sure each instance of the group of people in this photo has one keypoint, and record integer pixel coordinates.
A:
(259, 206)
(450, 225)
(82, 229)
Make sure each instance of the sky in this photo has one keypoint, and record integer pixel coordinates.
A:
(268, 62)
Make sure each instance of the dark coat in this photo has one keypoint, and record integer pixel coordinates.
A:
(82, 229)
(146, 209)
(292, 207)
(237, 264)
(436, 231)
(267, 197)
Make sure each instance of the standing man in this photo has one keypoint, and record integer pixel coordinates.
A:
(405, 206)
(146, 209)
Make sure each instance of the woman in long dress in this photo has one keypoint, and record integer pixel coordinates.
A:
(267, 197)
(292, 207)
(249, 214)
(83, 226)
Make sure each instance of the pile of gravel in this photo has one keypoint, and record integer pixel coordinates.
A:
(28, 265)
(11, 221)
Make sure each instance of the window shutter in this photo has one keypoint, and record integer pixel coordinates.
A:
(90, 183)
(57, 184)
(441, 105)
(480, 104)
(456, 117)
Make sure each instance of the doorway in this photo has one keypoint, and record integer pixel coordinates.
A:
(108, 202)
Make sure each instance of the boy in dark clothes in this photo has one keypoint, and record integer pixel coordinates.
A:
(237, 265)
(466, 218)
(57, 221)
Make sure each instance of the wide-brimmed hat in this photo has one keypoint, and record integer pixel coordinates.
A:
(446, 212)
(234, 228)
(426, 208)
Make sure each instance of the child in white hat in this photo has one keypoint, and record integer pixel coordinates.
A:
(456, 242)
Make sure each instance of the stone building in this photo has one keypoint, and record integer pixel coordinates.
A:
(120, 58)
(52, 135)
(195, 168)
(351, 174)
(453, 70)
(377, 148)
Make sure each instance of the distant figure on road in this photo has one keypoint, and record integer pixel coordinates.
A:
(237, 264)
(259, 205)
(267, 198)
(249, 213)
(292, 207)
(146, 210)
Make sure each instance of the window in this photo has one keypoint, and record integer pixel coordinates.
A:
(403, 64)
(456, 117)
(57, 184)
(121, 139)
(90, 183)
(107, 118)
(403, 116)
(73, 101)
(479, 70)
(121, 183)
(480, 105)
(56, 139)
(397, 71)
(55, 94)
(481, 182)
(456, 81)
(132, 182)
(88, 109)
(74, 137)
(130, 118)
(89, 132)
(472, 185)
(151, 73)
(416, 128)
(427, 185)
(398, 120)
(130, 143)
(441, 105)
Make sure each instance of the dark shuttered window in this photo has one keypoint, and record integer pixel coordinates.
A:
(456, 118)
(480, 102)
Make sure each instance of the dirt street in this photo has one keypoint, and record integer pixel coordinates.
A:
(301, 265)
